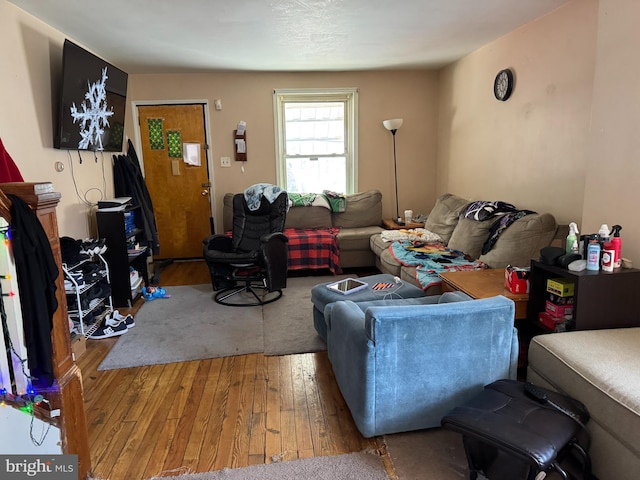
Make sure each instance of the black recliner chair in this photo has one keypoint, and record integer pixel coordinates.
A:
(250, 268)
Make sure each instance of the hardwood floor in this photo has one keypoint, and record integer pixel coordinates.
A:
(207, 415)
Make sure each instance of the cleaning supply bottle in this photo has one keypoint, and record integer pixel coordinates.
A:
(608, 256)
(572, 239)
(593, 253)
(617, 245)
(603, 236)
(603, 233)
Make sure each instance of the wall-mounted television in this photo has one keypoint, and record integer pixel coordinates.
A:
(92, 102)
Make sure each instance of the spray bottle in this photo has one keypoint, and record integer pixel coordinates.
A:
(603, 236)
(572, 239)
(617, 245)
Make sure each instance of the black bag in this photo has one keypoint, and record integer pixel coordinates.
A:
(515, 430)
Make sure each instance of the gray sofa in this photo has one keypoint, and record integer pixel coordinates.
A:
(516, 245)
(601, 368)
(361, 219)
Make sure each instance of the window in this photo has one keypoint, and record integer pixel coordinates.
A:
(316, 140)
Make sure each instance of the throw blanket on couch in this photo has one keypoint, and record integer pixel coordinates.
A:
(484, 210)
(430, 260)
(336, 202)
(253, 195)
(313, 248)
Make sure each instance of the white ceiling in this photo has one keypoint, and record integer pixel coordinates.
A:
(146, 36)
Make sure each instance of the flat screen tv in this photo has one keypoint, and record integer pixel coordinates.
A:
(92, 102)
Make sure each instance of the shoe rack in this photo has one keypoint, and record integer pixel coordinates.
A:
(78, 290)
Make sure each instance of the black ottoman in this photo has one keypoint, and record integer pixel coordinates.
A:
(321, 296)
(510, 434)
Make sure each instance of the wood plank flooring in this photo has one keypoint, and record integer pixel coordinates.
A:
(198, 416)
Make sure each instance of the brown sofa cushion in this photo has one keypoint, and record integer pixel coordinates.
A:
(444, 216)
(469, 236)
(521, 241)
(363, 210)
(308, 217)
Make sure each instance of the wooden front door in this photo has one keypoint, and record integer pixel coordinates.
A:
(179, 189)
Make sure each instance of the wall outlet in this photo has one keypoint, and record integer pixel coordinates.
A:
(225, 161)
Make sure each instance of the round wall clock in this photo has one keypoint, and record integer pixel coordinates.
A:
(503, 84)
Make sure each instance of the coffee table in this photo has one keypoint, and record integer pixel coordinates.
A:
(483, 284)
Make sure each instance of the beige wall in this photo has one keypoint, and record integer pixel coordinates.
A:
(248, 96)
(31, 53)
(28, 96)
(613, 172)
(531, 150)
(565, 142)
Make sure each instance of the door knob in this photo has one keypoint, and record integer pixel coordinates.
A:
(204, 192)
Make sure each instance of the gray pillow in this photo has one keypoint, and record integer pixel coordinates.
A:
(363, 210)
(308, 217)
(521, 241)
(469, 236)
(444, 216)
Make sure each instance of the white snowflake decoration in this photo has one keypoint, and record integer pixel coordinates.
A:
(94, 118)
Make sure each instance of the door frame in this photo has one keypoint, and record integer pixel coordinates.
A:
(207, 136)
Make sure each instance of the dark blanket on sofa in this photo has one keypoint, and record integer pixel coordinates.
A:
(431, 259)
(313, 248)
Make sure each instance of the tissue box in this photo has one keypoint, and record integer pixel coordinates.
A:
(558, 300)
(559, 311)
(516, 280)
(563, 287)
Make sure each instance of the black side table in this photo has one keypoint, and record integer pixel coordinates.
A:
(601, 299)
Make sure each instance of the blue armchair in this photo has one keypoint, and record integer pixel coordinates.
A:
(402, 367)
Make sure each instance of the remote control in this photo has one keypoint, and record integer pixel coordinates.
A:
(541, 396)
(535, 392)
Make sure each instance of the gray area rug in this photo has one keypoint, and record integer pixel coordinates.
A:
(191, 326)
(352, 466)
(288, 322)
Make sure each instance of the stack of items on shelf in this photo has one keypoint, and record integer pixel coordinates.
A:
(558, 312)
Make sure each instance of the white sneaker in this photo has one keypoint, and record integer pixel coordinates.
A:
(105, 330)
(127, 319)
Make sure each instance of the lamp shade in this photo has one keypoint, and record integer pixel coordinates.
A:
(392, 124)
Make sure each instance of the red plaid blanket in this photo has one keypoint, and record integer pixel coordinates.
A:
(313, 248)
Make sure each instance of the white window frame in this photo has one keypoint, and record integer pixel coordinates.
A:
(347, 95)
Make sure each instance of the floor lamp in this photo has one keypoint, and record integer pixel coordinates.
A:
(393, 125)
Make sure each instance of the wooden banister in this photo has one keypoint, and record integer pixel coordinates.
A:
(5, 207)
(67, 393)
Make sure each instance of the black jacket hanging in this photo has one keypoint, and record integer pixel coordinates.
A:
(36, 272)
(129, 182)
